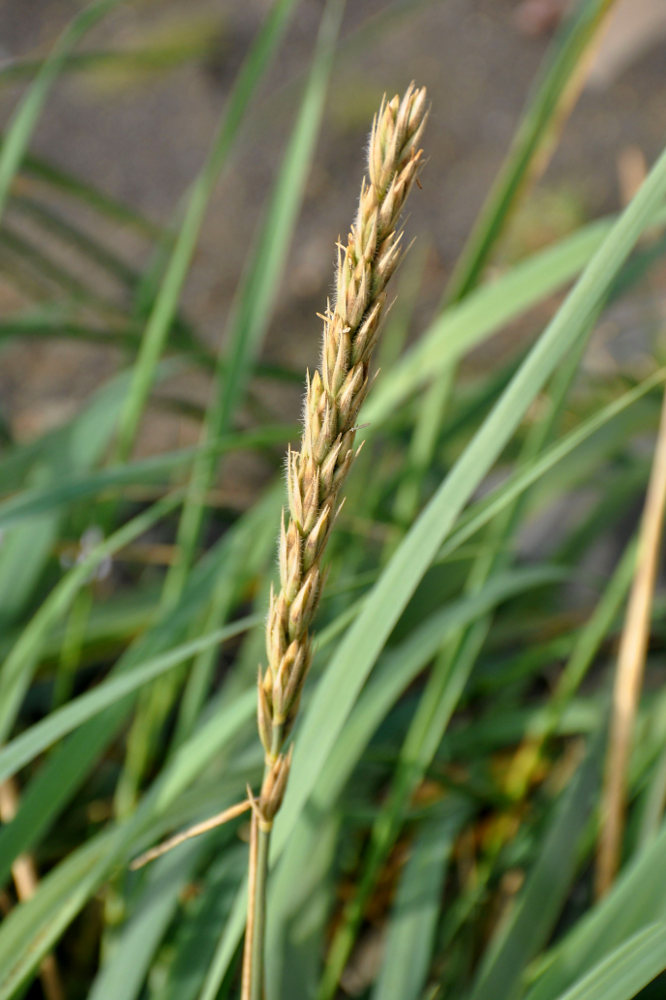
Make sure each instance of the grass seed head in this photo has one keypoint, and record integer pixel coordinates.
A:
(334, 395)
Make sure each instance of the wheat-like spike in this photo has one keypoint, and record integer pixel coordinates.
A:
(333, 397)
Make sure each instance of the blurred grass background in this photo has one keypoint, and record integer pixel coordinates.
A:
(172, 181)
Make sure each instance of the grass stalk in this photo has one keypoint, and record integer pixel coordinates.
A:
(630, 668)
(316, 473)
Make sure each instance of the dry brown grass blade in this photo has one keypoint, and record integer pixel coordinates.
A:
(26, 881)
(246, 986)
(630, 667)
(193, 831)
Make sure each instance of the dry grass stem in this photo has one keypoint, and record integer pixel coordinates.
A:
(630, 666)
(193, 831)
(316, 472)
(26, 881)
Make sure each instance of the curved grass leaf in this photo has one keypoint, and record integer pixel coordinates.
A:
(65, 182)
(463, 326)
(357, 653)
(484, 511)
(124, 973)
(67, 766)
(31, 929)
(637, 899)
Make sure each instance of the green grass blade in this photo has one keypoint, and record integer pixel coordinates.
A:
(18, 668)
(30, 931)
(398, 667)
(485, 510)
(49, 325)
(636, 900)
(358, 651)
(44, 734)
(411, 932)
(198, 930)
(33, 258)
(530, 144)
(67, 766)
(64, 182)
(529, 151)
(24, 119)
(251, 310)
(464, 326)
(548, 883)
(166, 303)
(28, 549)
(37, 501)
(356, 655)
(124, 973)
(624, 973)
(109, 262)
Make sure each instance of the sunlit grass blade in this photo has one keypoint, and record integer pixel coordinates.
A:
(355, 657)
(357, 653)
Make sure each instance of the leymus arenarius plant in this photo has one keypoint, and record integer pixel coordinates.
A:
(315, 474)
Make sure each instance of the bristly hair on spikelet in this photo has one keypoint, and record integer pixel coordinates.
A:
(333, 398)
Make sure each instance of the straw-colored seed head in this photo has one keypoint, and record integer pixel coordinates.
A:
(334, 396)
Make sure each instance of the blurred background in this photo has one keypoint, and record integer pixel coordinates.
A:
(171, 200)
(136, 111)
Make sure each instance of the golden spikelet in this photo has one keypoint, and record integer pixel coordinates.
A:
(334, 395)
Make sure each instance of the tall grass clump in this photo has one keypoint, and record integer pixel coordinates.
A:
(459, 785)
(316, 473)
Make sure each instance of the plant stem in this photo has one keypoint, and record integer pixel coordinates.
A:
(258, 930)
(260, 842)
